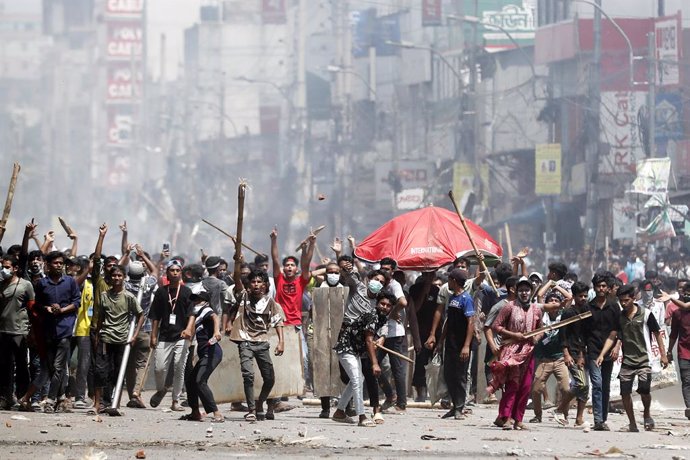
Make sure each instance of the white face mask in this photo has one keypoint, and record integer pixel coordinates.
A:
(375, 286)
(332, 279)
(5, 274)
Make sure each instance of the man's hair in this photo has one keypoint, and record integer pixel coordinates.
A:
(262, 275)
(345, 258)
(602, 277)
(385, 295)
(571, 276)
(503, 272)
(37, 254)
(384, 273)
(389, 261)
(110, 259)
(512, 281)
(579, 287)
(15, 248)
(11, 259)
(260, 259)
(194, 271)
(245, 265)
(117, 268)
(292, 258)
(467, 261)
(51, 256)
(626, 289)
(559, 268)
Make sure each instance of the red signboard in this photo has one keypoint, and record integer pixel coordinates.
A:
(431, 13)
(124, 84)
(125, 8)
(125, 40)
(273, 11)
(120, 126)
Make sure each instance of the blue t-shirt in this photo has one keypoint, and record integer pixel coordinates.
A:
(460, 310)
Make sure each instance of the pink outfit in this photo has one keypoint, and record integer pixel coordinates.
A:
(514, 368)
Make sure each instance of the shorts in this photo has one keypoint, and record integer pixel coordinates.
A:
(627, 376)
(579, 386)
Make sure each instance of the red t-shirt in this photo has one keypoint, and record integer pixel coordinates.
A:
(289, 296)
(680, 326)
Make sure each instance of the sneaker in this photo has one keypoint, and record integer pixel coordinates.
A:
(449, 414)
(36, 406)
(81, 404)
(281, 407)
(325, 414)
(387, 404)
(601, 426)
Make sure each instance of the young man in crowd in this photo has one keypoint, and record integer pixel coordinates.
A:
(255, 313)
(680, 333)
(636, 324)
(170, 310)
(110, 332)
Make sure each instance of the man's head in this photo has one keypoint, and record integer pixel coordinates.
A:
(192, 273)
(601, 283)
(626, 296)
(462, 263)
(332, 274)
(258, 283)
(456, 279)
(511, 285)
(56, 263)
(173, 271)
(384, 303)
(10, 264)
(653, 277)
(685, 292)
(212, 265)
(222, 269)
(388, 264)
(557, 271)
(115, 277)
(261, 262)
(646, 292)
(615, 266)
(503, 271)
(378, 279)
(290, 266)
(536, 279)
(580, 292)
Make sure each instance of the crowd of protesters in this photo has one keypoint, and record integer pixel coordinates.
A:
(67, 321)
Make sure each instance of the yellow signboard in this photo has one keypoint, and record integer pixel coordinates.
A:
(547, 177)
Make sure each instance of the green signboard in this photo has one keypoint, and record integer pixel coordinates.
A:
(517, 18)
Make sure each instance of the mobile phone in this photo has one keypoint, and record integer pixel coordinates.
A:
(166, 247)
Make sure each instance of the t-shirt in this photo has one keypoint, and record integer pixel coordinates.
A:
(167, 301)
(631, 331)
(203, 323)
(491, 317)
(680, 327)
(425, 312)
(572, 336)
(14, 318)
(85, 312)
(217, 288)
(151, 284)
(550, 345)
(358, 302)
(289, 296)
(254, 318)
(396, 327)
(63, 292)
(117, 310)
(597, 327)
(460, 308)
(444, 292)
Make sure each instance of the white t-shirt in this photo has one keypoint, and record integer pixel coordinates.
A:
(396, 328)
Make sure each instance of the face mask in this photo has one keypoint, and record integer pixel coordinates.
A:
(5, 274)
(647, 296)
(375, 286)
(332, 279)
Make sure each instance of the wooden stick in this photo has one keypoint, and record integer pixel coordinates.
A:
(146, 372)
(480, 257)
(315, 231)
(565, 322)
(8, 200)
(394, 353)
(240, 221)
(509, 243)
(246, 246)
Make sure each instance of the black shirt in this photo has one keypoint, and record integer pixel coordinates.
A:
(167, 300)
(425, 313)
(597, 328)
(572, 336)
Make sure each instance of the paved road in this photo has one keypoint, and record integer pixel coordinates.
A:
(301, 433)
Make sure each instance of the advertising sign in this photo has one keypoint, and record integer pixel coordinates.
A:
(517, 17)
(620, 129)
(125, 41)
(547, 177)
(120, 125)
(124, 83)
(431, 13)
(124, 8)
(668, 33)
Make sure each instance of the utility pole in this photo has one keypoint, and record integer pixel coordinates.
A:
(651, 96)
(221, 117)
(661, 8)
(593, 128)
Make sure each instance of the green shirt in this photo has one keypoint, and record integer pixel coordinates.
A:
(117, 309)
(14, 319)
(631, 332)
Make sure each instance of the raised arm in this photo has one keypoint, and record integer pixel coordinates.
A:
(124, 245)
(75, 242)
(307, 255)
(275, 257)
(153, 269)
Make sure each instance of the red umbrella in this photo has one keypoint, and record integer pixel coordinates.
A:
(426, 239)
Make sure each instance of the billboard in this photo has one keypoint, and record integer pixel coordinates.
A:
(517, 17)
(621, 112)
(668, 32)
(124, 84)
(393, 178)
(119, 128)
(125, 40)
(369, 30)
(669, 117)
(124, 8)
(431, 13)
(547, 177)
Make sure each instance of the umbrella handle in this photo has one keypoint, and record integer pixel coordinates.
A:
(480, 256)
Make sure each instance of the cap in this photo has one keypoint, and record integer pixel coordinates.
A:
(458, 275)
(172, 263)
(136, 268)
(212, 262)
(538, 275)
(524, 280)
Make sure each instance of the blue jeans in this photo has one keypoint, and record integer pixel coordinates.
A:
(600, 378)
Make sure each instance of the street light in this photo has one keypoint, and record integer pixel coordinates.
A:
(337, 69)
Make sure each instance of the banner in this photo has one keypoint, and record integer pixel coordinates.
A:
(668, 32)
(547, 177)
(624, 220)
(660, 228)
(620, 130)
(431, 13)
(652, 176)
(517, 17)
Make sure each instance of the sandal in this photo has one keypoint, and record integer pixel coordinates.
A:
(378, 418)
(520, 426)
(649, 424)
(345, 419)
(508, 425)
(189, 418)
(218, 420)
(25, 406)
(250, 417)
(366, 423)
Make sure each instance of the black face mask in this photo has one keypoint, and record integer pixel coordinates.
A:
(685, 298)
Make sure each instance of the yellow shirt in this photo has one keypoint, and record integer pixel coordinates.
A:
(85, 310)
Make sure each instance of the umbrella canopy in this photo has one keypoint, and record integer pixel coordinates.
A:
(426, 239)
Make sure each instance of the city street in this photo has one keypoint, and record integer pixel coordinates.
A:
(300, 432)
